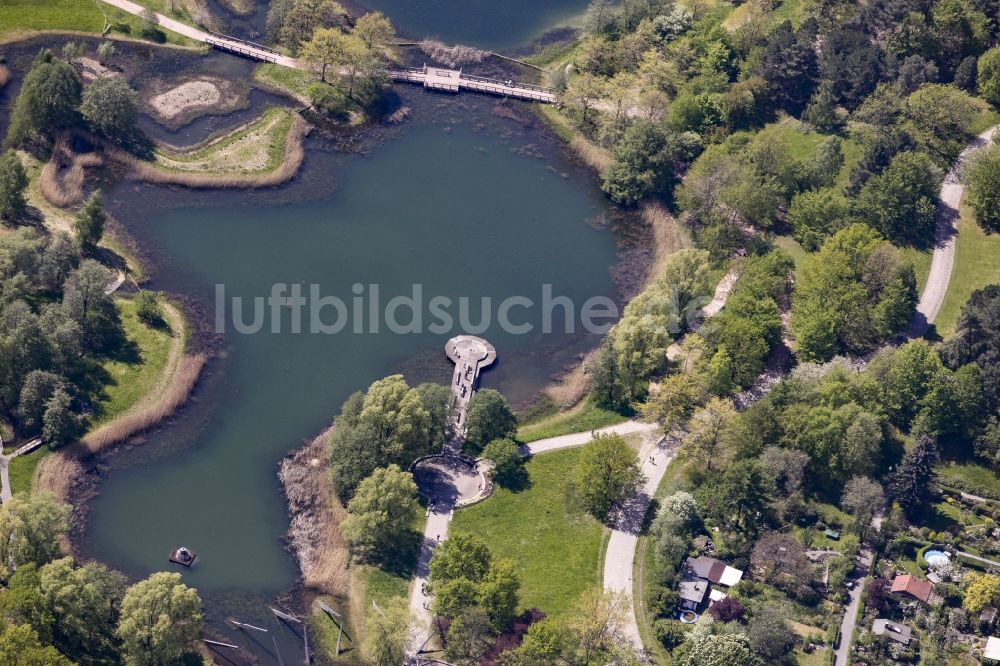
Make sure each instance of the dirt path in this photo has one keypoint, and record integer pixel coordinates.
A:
(943, 260)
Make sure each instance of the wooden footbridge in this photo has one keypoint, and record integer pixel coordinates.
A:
(454, 80)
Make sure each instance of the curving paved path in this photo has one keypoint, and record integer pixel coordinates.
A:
(5, 490)
(201, 36)
(945, 233)
(620, 554)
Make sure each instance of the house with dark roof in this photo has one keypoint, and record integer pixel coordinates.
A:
(911, 586)
(692, 593)
(712, 570)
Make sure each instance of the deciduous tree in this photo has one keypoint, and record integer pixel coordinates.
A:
(380, 513)
(160, 620)
(13, 183)
(607, 473)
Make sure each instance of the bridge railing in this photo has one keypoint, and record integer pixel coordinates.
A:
(230, 38)
(514, 84)
(248, 51)
(510, 91)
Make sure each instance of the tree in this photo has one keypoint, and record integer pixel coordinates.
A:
(641, 164)
(105, 51)
(675, 400)
(387, 425)
(463, 574)
(47, 103)
(822, 112)
(374, 30)
(299, 19)
(769, 634)
(86, 600)
(938, 117)
(31, 527)
(982, 590)
(781, 560)
(705, 440)
(19, 644)
(109, 106)
(546, 642)
(508, 464)
(851, 295)
(468, 636)
(386, 635)
(863, 498)
(380, 513)
(89, 223)
(727, 610)
(988, 76)
(36, 392)
(901, 202)
(789, 67)
(148, 307)
(984, 189)
(909, 485)
(977, 340)
(488, 417)
(878, 594)
(851, 63)
(815, 215)
(60, 424)
(598, 622)
(677, 513)
(722, 650)
(325, 49)
(160, 620)
(607, 473)
(13, 183)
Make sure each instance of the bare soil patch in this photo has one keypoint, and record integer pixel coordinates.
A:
(174, 104)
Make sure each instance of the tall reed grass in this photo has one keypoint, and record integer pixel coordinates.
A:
(62, 177)
(146, 416)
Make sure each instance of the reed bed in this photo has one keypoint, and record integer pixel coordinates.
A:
(597, 158)
(314, 534)
(669, 235)
(58, 472)
(148, 415)
(452, 56)
(149, 172)
(5, 76)
(62, 177)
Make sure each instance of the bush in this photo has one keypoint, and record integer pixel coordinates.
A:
(148, 308)
(670, 633)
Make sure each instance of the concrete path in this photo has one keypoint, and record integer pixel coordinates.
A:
(436, 531)
(201, 36)
(943, 259)
(581, 438)
(847, 625)
(981, 560)
(620, 554)
(5, 489)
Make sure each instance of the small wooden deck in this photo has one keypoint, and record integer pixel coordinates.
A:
(454, 81)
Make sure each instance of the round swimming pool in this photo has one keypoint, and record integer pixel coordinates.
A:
(936, 558)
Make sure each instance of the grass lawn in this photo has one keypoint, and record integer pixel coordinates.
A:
(798, 253)
(984, 120)
(133, 377)
(971, 478)
(802, 142)
(258, 147)
(22, 470)
(921, 260)
(77, 15)
(584, 416)
(976, 266)
(557, 546)
(293, 81)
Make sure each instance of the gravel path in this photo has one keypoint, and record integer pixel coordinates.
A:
(943, 260)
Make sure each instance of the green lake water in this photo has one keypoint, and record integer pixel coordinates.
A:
(457, 199)
(487, 24)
